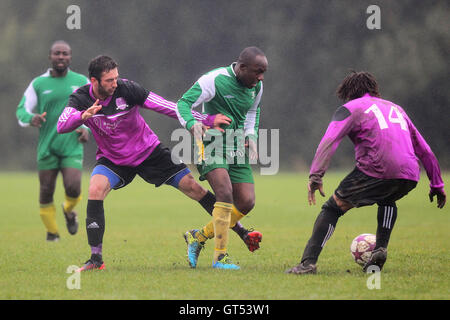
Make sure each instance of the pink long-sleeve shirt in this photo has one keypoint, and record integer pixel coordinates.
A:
(387, 144)
(121, 133)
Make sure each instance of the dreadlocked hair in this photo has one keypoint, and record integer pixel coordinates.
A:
(357, 84)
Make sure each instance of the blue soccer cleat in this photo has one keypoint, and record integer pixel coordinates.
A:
(224, 262)
(193, 247)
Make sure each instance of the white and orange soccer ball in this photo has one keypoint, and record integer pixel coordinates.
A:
(362, 247)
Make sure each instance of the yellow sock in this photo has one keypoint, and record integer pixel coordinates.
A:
(236, 215)
(221, 219)
(48, 216)
(70, 203)
(208, 230)
(206, 233)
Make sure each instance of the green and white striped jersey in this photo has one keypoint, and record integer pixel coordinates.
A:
(218, 91)
(51, 94)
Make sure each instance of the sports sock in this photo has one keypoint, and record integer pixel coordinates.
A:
(322, 231)
(70, 203)
(386, 217)
(207, 231)
(235, 225)
(221, 219)
(240, 230)
(96, 252)
(236, 215)
(95, 224)
(48, 216)
(207, 202)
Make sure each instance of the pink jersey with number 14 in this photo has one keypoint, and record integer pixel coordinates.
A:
(387, 144)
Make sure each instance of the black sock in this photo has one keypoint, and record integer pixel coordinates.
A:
(240, 230)
(322, 231)
(207, 202)
(387, 214)
(95, 222)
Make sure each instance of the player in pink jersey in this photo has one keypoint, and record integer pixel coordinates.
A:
(387, 145)
(127, 146)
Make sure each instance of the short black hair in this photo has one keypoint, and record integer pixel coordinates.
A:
(101, 64)
(248, 54)
(357, 84)
(59, 42)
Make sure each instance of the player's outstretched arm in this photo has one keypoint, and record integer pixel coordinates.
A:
(71, 119)
(157, 103)
(430, 163)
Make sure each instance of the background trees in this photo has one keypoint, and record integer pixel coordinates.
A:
(166, 45)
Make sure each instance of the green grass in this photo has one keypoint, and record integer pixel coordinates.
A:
(144, 250)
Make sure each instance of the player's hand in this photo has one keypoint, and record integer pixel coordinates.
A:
(83, 135)
(198, 130)
(440, 196)
(252, 149)
(91, 111)
(312, 187)
(38, 119)
(219, 120)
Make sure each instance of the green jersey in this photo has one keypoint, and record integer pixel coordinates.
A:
(220, 92)
(51, 94)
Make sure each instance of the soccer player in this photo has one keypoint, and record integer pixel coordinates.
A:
(43, 102)
(234, 91)
(127, 146)
(387, 145)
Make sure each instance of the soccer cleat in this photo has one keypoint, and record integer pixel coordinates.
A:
(224, 262)
(193, 247)
(92, 265)
(71, 221)
(302, 269)
(378, 258)
(252, 240)
(52, 237)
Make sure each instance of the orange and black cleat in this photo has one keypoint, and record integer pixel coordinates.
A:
(92, 265)
(252, 240)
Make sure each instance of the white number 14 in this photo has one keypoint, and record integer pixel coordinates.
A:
(397, 118)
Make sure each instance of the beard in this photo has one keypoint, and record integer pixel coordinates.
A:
(60, 69)
(103, 92)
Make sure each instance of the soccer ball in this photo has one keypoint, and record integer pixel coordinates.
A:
(362, 247)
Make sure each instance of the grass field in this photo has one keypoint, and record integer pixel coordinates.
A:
(144, 250)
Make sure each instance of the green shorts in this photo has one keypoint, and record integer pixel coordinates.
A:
(229, 157)
(57, 162)
(239, 171)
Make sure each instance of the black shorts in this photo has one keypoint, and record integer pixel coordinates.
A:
(157, 169)
(361, 190)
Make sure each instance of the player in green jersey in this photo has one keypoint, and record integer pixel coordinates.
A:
(234, 91)
(43, 102)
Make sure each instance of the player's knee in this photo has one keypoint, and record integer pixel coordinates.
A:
(332, 205)
(73, 190)
(245, 205)
(97, 191)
